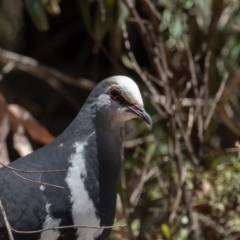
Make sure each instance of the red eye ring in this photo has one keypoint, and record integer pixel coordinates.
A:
(115, 93)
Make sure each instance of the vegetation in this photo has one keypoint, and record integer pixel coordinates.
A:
(181, 178)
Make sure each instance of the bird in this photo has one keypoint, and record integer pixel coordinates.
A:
(72, 180)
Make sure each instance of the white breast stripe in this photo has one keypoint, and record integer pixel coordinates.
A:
(83, 210)
(49, 223)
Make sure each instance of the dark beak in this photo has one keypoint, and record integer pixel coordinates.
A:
(140, 112)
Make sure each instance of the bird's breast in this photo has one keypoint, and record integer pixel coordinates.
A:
(84, 212)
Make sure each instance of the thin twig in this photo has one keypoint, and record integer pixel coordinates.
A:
(217, 98)
(25, 171)
(137, 141)
(141, 29)
(190, 121)
(205, 81)
(163, 57)
(211, 223)
(184, 134)
(8, 227)
(137, 68)
(38, 182)
(153, 9)
(67, 227)
(185, 192)
(138, 190)
(125, 198)
(192, 70)
(161, 183)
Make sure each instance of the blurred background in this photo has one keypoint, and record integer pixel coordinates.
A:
(181, 179)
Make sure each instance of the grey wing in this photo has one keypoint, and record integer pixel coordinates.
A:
(25, 201)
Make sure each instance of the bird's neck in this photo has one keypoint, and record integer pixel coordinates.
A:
(109, 145)
(107, 131)
(102, 147)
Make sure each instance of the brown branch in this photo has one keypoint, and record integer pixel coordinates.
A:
(138, 190)
(211, 223)
(138, 141)
(217, 98)
(8, 227)
(150, 86)
(125, 202)
(161, 183)
(153, 9)
(205, 80)
(192, 70)
(141, 29)
(183, 131)
(43, 72)
(185, 191)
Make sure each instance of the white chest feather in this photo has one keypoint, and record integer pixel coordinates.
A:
(83, 210)
(50, 222)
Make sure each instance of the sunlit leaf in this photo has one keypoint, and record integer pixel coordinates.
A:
(166, 231)
(184, 233)
(52, 7)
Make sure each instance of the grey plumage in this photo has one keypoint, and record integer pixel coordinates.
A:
(89, 150)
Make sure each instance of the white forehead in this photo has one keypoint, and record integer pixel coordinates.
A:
(130, 89)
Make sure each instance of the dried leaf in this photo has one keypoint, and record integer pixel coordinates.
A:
(4, 129)
(21, 142)
(20, 116)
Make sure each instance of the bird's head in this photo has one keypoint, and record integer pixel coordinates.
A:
(119, 96)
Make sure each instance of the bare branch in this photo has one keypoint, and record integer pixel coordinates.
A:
(205, 81)
(33, 67)
(185, 192)
(192, 70)
(217, 98)
(8, 227)
(138, 189)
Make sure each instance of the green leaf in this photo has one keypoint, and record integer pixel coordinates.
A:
(203, 14)
(184, 233)
(123, 13)
(84, 6)
(167, 17)
(103, 23)
(166, 231)
(37, 14)
(176, 27)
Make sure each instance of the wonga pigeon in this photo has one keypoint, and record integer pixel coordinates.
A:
(87, 154)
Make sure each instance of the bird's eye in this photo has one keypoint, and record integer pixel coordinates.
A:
(115, 94)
